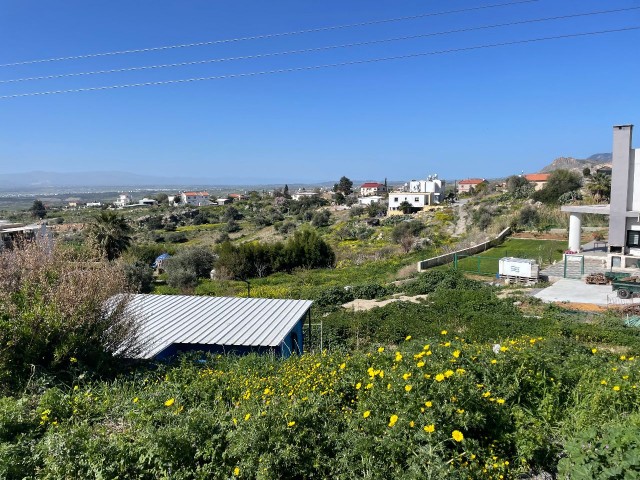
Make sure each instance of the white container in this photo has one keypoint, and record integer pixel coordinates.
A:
(518, 267)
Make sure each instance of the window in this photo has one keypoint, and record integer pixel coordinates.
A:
(416, 199)
(633, 238)
(395, 199)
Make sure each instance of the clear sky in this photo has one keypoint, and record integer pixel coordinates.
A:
(479, 113)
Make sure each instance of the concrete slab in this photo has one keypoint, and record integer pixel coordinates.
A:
(576, 291)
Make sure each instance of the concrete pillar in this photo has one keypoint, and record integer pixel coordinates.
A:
(575, 230)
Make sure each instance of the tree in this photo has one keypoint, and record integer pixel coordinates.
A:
(515, 182)
(344, 186)
(586, 172)
(560, 182)
(162, 198)
(110, 234)
(599, 185)
(38, 210)
(285, 192)
(405, 207)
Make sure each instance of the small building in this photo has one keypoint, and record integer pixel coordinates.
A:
(149, 202)
(94, 205)
(197, 199)
(236, 197)
(123, 200)
(171, 324)
(299, 195)
(372, 188)
(224, 201)
(369, 200)
(538, 180)
(469, 184)
(12, 234)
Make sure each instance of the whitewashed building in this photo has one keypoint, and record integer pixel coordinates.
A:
(123, 200)
(418, 193)
(197, 199)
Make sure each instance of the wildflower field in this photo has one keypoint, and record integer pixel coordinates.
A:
(445, 408)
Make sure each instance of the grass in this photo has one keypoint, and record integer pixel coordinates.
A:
(544, 252)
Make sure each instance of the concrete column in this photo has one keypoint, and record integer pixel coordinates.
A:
(575, 229)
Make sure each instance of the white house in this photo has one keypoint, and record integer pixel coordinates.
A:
(299, 195)
(372, 188)
(418, 193)
(369, 200)
(197, 199)
(123, 200)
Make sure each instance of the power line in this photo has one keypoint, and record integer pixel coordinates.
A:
(318, 67)
(316, 49)
(269, 35)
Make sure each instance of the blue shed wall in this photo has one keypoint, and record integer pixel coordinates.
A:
(284, 350)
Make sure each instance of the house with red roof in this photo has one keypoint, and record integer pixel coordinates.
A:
(469, 184)
(538, 180)
(372, 188)
(197, 199)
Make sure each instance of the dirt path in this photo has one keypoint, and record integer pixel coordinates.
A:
(360, 305)
(463, 218)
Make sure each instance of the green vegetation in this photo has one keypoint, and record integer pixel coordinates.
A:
(544, 252)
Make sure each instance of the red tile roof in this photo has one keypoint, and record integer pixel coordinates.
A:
(537, 177)
(372, 185)
(196, 194)
(471, 181)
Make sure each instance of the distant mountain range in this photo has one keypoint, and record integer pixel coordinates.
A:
(570, 163)
(42, 181)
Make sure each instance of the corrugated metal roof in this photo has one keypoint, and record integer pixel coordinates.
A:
(170, 319)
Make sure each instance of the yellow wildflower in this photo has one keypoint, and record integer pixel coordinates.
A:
(169, 402)
(407, 388)
(135, 400)
(428, 404)
(594, 350)
(616, 388)
(247, 417)
(392, 420)
(439, 377)
(457, 435)
(291, 423)
(429, 428)
(380, 349)
(456, 353)
(236, 472)
(407, 338)
(366, 414)
(443, 332)
(448, 373)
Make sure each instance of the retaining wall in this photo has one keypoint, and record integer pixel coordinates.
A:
(448, 257)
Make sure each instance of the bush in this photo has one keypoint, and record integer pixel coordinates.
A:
(176, 237)
(139, 277)
(334, 296)
(369, 291)
(321, 218)
(197, 260)
(599, 452)
(52, 314)
(181, 277)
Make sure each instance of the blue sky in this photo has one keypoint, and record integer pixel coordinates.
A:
(480, 113)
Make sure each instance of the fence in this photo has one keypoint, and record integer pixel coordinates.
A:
(573, 266)
(449, 257)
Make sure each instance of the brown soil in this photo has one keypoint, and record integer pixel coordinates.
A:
(581, 307)
(540, 236)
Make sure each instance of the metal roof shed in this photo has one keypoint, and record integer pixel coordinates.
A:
(170, 324)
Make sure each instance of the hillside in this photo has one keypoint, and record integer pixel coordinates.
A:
(571, 163)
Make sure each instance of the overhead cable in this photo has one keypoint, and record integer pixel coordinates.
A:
(315, 49)
(318, 67)
(269, 35)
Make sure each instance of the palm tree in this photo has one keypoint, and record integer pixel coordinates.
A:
(110, 234)
(600, 186)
